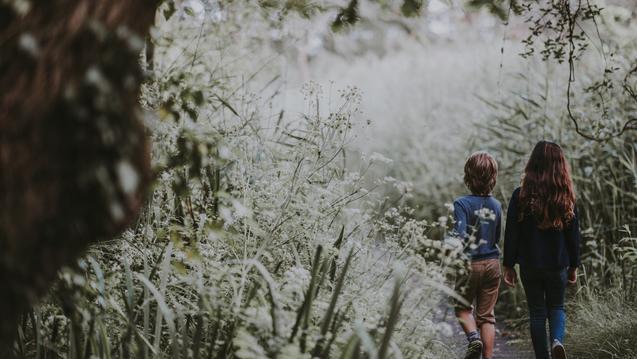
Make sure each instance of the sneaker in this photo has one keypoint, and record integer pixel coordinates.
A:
(558, 350)
(474, 350)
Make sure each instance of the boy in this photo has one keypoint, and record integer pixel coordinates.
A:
(477, 223)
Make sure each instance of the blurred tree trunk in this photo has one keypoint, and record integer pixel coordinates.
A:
(74, 162)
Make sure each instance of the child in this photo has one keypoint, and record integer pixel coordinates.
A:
(542, 236)
(477, 222)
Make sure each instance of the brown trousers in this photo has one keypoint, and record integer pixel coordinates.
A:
(480, 288)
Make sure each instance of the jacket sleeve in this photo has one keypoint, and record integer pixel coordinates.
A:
(572, 237)
(511, 232)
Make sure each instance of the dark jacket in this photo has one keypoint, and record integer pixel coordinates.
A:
(531, 247)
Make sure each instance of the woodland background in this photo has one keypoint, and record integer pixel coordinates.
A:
(303, 154)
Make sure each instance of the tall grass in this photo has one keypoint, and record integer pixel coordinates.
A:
(257, 241)
(602, 325)
(428, 120)
(603, 173)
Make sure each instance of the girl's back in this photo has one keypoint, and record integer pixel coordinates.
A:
(541, 248)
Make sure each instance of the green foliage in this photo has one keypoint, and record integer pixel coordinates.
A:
(169, 9)
(411, 7)
(257, 241)
(346, 16)
(496, 7)
(305, 8)
(198, 278)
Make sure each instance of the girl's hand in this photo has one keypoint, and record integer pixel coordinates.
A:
(510, 277)
(572, 275)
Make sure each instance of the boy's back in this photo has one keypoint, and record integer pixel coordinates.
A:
(479, 217)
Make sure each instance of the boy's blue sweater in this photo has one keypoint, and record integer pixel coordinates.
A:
(480, 216)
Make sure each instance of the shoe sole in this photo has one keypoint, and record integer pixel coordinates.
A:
(474, 351)
(559, 352)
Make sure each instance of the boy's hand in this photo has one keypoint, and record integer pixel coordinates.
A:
(572, 275)
(510, 277)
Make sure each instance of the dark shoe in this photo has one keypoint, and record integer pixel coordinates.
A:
(557, 350)
(474, 350)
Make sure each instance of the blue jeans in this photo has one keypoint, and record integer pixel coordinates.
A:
(545, 296)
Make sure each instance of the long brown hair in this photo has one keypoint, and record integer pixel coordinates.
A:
(547, 189)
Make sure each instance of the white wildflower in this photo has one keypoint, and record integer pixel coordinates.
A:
(117, 212)
(248, 346)
(485, 214)
(224, 152)
(240, 211)
(128, 177)
(377, 157)
(195, 9)
(259, 317)
(453, 242)
(29, 44)
(21, 7)
(226, 215)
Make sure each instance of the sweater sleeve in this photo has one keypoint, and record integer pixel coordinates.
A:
(498, 227)
(572, 237)
(511, 232)
(460, 216)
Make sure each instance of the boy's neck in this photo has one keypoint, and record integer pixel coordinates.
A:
(480, 195)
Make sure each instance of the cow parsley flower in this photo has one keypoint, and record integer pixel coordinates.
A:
(485, 214)
(377, 157)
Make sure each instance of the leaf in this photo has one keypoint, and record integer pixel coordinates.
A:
(327, 319)
(337, 245)
(347, 16)
(227, 105)
(494, 6)
(305, 8)
(304, 309)
(170, 10)
(163, 308)
(351, 348)
(198, 97)
(411, 8)
(396, 304)
(179, 267)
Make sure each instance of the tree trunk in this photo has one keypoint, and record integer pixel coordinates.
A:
(74, 162)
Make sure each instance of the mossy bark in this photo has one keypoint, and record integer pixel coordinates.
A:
(74, 162)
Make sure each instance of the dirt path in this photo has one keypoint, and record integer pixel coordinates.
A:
(506, 346)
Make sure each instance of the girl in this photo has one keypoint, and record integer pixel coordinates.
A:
(542, 236)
